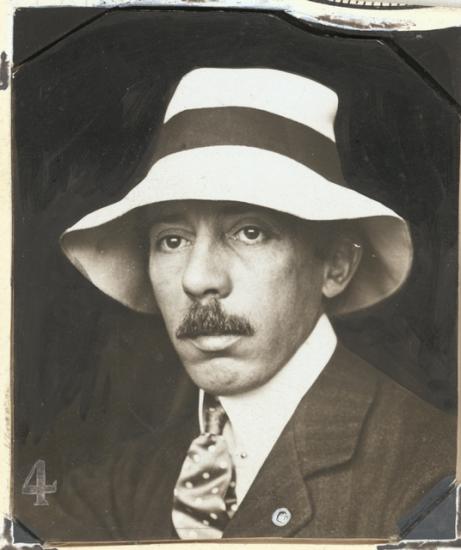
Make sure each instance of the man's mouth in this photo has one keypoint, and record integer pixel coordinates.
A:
(215, 343)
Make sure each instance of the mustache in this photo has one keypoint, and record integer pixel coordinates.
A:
(211, 320)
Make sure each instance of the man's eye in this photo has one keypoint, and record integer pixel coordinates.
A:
(170, 243)
(250, 234)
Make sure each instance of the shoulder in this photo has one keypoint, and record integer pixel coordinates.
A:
(397, 412)
(91, 501)
(407, 444)
(117, 497)
(400, 413)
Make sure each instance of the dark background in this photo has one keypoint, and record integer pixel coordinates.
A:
(89, 92)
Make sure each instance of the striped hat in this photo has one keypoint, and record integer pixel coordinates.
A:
(253, 135)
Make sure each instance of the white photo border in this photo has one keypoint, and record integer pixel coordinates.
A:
(331, 14)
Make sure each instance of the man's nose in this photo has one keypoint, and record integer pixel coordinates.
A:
(206, 272)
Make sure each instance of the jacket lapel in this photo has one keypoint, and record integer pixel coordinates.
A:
(279, 484)
(329, 420)
(323, 433)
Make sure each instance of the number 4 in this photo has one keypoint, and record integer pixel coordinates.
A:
(40, 489)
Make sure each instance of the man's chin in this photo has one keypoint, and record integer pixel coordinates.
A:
(222, 376)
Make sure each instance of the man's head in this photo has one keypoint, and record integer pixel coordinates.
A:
(244, 227)
(240, 287)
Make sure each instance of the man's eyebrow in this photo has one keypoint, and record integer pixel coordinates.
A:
(168, 217)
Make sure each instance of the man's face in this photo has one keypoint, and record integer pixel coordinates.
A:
(239, 288)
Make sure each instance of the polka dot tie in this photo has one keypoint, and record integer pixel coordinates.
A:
(204, 496)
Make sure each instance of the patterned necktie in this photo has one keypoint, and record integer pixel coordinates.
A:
(204, 496)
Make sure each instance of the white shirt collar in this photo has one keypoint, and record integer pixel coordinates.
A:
(258, 416)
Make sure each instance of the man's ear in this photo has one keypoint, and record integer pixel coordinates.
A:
(340, 265)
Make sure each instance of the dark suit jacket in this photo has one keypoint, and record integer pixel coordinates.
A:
(359, 452)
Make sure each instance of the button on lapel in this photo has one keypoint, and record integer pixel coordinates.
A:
(281, 517)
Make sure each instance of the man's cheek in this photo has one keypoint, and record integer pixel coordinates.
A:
(165, 289)
(169, 310)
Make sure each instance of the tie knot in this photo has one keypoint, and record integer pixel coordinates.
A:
(215, 416)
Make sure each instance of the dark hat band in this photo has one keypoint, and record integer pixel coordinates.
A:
(252, 128)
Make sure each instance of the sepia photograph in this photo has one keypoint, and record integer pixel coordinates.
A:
(235, 277)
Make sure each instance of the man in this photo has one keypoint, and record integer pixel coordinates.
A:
(245, 238)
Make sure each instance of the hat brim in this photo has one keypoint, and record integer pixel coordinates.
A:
(107, 248)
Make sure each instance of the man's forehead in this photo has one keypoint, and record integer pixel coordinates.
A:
(183, 209)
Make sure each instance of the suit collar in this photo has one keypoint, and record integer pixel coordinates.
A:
(323, 433)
